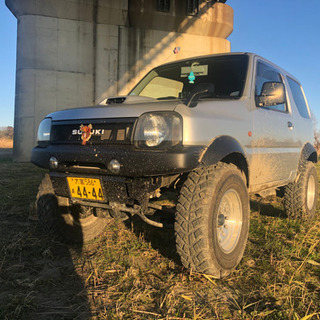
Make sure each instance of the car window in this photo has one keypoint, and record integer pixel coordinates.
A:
(162, 88)
(299, 98)
(226, 74)
(266, 73)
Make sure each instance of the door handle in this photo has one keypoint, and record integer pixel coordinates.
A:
(290, 125)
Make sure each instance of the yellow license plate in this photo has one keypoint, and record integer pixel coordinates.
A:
(85, 188)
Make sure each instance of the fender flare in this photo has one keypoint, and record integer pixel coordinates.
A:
(309, 153)
(227, 149)
(220, 148)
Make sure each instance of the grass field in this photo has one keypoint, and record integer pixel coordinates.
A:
(133, 272)
(6, 143)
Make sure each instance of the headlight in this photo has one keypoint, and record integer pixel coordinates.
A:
(44, 132)
(158, 129)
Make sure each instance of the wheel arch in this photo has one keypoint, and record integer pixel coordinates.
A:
(309, 153)
(226, 149)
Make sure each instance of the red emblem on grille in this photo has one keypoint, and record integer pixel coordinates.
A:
(86, 133)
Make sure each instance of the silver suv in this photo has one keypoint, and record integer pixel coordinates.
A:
(208, 129)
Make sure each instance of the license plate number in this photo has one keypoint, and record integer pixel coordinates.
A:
(85, 188)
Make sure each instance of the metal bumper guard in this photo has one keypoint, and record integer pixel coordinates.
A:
(133, 162)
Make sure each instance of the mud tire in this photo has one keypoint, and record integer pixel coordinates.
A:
(301, 196)
(63, 222)
(203, 201)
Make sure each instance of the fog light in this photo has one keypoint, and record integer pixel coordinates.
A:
(114, 166)
(53, 163)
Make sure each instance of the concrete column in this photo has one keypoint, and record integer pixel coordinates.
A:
(73, 53)
(57, 53)
(54, 71)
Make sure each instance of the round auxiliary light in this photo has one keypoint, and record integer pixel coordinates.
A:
(53, 163)
(114, 166)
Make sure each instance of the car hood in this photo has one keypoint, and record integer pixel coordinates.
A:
(126, 107)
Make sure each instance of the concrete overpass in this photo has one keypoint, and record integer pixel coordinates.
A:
(72, 53)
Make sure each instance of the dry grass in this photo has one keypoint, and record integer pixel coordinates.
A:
(6, 143)
(132, 271)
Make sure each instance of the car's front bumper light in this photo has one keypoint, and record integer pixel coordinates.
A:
(158, 130)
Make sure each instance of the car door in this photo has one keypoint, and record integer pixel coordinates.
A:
(275, 148)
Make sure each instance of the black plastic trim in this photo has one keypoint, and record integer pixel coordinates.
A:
(220, 148)
(309, 153)
(134, 162)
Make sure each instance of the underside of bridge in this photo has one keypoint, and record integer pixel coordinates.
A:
(73, 53)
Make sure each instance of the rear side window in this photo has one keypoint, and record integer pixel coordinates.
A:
(299, 98)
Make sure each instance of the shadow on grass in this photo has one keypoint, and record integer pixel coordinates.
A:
(267, 209)
(38, 278)
(161, 239)
(6, 153)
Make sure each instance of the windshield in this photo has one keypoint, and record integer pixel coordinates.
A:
(178, 80)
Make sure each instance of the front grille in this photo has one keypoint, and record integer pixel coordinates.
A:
(91, 132)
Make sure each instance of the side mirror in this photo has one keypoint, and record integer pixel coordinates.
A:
(202, 90)
(272, 93)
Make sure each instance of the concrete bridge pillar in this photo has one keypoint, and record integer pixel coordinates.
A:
(73, 53)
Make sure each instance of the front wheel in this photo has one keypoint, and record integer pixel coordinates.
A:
(212, 219)
(72, 224)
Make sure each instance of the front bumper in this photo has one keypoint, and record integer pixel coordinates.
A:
(133, 162)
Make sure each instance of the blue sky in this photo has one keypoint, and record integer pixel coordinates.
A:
(8, 35)
(287, 32)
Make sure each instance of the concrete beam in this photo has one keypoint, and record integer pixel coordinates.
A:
(110, 11)
(213, 19)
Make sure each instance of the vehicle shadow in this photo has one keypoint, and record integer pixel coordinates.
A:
(61, 293)
(68, 298)
(161, 239)
(266, 208)
(38, 278)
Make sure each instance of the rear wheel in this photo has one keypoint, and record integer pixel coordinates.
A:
(73, 224)
(212, 220)
(301, 196)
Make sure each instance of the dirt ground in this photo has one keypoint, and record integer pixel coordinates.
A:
(133, 272)
(37, 275)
